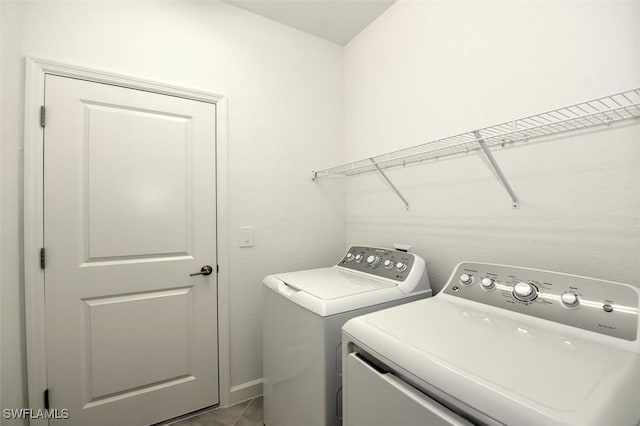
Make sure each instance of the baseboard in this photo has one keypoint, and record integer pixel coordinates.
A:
(245, 391)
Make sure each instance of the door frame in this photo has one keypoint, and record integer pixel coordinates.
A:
(35, 326)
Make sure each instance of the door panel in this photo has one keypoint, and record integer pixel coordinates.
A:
(144, 208)
(158, 349)
(131, 337)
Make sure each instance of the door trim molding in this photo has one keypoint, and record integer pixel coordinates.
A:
(35, 71)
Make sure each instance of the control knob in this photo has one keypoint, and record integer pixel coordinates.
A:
(372, 260)
(350, 257)
(466, 279)
(358, 258)
(487, 283)
(401, 266)
(570, 299)
(525, 292)
(388, 263)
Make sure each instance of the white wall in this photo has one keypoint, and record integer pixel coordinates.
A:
(285, 114)
(426, 70)
(1, 230)
(423, 70)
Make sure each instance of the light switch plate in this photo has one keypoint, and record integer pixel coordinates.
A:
(246, 236)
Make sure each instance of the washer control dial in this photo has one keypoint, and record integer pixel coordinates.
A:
(525, 292)
(466, 279)
(570, 299)
(381, 263)
(488, 283)
(373, 260)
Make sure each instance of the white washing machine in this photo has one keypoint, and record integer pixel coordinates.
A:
(303, 315)
(500, 345)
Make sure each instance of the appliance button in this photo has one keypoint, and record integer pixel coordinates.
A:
(358, 258)
(488, 283)
(350, 257)
(388, 263)
(524, 292)
(372, 260)
(401, 266)
(570, 299)
(607, 308)
(466, 279)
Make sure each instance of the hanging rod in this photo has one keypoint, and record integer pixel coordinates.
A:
(597, 112)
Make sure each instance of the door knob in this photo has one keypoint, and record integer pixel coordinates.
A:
(206, 270)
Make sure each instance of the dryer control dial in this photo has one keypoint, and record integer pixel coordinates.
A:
(570, 299)
(525, 292)
(488, 283)
(359, 258)
(388, 263)
(466, 279)
(373, 260)
(589, 304)
(401, 266)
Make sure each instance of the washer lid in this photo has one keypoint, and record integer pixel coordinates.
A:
(332, 283)
(331, 291)
(515, 369)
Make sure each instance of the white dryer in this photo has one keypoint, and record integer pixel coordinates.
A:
(303, 315)
(500, 345)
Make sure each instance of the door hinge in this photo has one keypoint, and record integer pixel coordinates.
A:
(42, 116)
(46, 399)
(42, 258)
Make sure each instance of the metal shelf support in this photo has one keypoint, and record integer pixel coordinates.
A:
(515, 203)
(384, 176)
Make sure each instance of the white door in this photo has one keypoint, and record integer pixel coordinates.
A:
(130, 212)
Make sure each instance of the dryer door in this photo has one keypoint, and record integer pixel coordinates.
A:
(374, 398)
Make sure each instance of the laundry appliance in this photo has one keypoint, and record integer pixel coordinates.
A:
(500, 345)
(303, 315)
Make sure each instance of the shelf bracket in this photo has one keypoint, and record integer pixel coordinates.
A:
(384, 176)
(515, 203)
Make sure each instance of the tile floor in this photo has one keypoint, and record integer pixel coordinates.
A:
(247, 413)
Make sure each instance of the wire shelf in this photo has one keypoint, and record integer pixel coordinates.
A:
(597, 112)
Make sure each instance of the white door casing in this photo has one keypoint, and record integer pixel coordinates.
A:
(130, 211)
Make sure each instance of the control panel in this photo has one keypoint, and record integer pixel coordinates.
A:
(601, 306)
(385, 263)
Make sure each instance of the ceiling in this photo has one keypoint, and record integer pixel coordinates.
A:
(334, 20)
